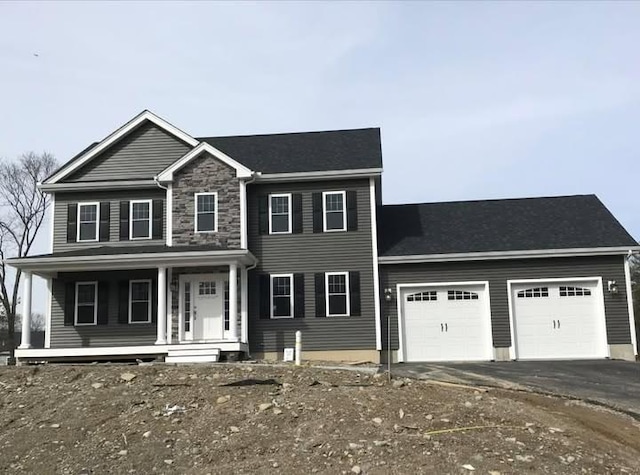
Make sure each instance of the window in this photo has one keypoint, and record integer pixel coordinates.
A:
(461, 295)
(536, 292)
(206, 212)
(423, 296)
(281, 296)
(207, 287)
(280, 214)
(337, 293)
(86, 311)
(574, 292)
(140, 301)
(88, 221)
(140, 222)
(335, 216)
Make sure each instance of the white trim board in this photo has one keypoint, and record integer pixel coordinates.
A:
(629, 290)
(399, 300)
(98, 185)
(115, 137)
(376, 267)
(513, 353)
(525, 254)
(167, 174)
(319, 175)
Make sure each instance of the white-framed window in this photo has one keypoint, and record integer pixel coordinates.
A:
(140, 219)
(536, 292)
(280, 213)
(207, 287)
(282, 296)
(140, 301)
(574, 292)
(429, 295)
(336, 287)
(86, 305)
(206, 212)
(88, 219)
(334, 211)
(461, 295)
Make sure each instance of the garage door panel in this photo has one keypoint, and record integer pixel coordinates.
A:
(558, 320)
(445, 323)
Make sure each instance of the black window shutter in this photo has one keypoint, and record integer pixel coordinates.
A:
(123, 302)
(352, 210)
(264, 285)
(317, 212)
(103, 303)
(154, 300)
(72, 223)
(158, 212)
(321, 308)
(69, 303)
(354, 293)
(263, 214)
(296, 219)
(105, 216)
(298, 293)
(124, 220)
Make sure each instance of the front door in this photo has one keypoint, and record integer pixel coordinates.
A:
(203, 307)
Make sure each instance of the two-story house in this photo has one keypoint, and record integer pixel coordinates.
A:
(165, 245)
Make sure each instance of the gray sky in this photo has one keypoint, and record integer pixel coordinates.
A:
(475, 100)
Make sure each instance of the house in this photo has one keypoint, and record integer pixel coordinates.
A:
(189, 249)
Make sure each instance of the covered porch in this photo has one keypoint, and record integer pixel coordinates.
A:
(196, 298)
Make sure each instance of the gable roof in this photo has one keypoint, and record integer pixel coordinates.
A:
(554, 223)
(353, 149)
(203, 147)
(95, 149)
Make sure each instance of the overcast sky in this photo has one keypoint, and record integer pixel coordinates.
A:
(475, 100)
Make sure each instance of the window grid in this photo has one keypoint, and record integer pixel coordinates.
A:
(140, 219)
(574, 292)
(430, 295)
(86, 311)
(88, 217)
(461, 295)
(535, 292)
(335, 216)
(337, 293)
(281, 296)
(187, 306)
(206, 212)
(207, 287)
(140, 301)
(280, 214)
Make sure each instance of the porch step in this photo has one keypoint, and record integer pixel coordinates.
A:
(193, 354)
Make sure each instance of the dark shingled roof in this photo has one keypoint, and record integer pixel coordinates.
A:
(564, 222)
(133, 250)
(304, 151)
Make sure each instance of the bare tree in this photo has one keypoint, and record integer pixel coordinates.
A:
(22, 210)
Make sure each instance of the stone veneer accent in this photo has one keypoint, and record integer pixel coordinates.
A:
(206, 174)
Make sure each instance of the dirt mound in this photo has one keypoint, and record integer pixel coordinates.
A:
(269, 419)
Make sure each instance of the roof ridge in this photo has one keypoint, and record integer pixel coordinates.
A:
(288, 133)
(526, 198)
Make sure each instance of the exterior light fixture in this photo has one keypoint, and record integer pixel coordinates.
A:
(612, 287)
(388, 295)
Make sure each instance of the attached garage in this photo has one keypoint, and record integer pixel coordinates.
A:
(444, 322)
(558, 319)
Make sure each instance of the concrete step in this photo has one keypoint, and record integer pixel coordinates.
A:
(194, 352)
(202, 358)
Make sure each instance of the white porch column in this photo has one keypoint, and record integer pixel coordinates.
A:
(233, 302)
(162, 306)
(244, 305)
(26, 311)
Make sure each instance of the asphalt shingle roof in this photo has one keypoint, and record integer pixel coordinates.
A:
(304, 151)
(564, 222)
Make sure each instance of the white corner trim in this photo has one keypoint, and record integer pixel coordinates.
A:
(47, 334)
(52, 216)
(319, 175)
(376, 267)
(243, 214)
(494, 255)
(632, 320)
(169, 215)
(167, 174)
(119, 134)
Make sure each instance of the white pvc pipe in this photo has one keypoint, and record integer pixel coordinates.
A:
(298, 347)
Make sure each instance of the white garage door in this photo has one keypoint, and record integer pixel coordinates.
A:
(558, 320)
(446, 323)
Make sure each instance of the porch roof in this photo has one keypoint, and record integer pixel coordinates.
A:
(131, 257)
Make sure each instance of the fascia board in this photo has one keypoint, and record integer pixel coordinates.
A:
(167, 174)
(119, 134)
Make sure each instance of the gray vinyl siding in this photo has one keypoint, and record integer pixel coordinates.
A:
(143, 153)
(497, 273)
(114, 197)
(113, 334)
(311, 253)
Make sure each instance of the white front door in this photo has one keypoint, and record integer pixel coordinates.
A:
(446, 323)
(203, 307)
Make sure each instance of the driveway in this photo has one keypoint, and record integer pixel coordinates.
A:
(612, 383)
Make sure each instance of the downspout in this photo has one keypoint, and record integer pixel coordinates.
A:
(254, 176)
(169, 278)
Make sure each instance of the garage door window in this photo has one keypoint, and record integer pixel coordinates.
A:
(574, 292)
(423, 296)
(461, 295)
(534, 293)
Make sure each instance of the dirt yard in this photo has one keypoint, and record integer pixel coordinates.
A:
(264, 419)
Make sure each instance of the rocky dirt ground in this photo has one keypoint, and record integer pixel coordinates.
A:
(280, 419)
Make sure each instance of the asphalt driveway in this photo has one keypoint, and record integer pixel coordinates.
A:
(612, 383)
